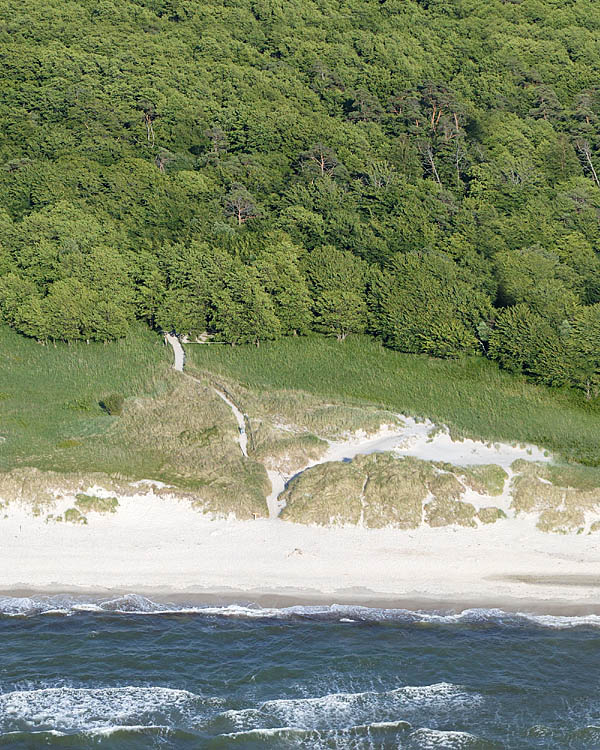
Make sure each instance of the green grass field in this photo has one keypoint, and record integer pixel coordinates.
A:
(51, 418)
(472, 396)
(50, 413)
(170, 429)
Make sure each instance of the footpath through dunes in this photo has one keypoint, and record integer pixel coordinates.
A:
(432, 488)
(178, 351)
(378, 507)
(179, 363)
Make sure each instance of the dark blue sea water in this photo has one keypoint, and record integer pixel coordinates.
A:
(129, 673)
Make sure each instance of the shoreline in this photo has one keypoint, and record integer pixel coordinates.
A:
(160, 546)
(283, 599)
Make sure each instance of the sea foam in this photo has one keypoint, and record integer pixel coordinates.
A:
(102, 711)
(76, 709)
(135, 604)
(349, 709)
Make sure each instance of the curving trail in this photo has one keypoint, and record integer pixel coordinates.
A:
(179, 364)
(243, 437)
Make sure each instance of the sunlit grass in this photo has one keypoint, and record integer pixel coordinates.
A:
(170, 429)
(472, 396)
(50, 413)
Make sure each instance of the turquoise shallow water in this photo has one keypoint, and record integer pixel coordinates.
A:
(129, 673)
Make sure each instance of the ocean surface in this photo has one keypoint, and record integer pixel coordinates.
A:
(131, 673)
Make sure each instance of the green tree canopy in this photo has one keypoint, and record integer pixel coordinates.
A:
(424, 303)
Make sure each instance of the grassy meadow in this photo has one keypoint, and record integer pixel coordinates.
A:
(50, 396)
(51, 415)
(55, 431)
(472, 396)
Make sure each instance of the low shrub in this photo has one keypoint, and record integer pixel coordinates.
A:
(72, 515)
(113, 404)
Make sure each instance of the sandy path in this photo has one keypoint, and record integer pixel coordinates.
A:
(178, 351)
(243, 437)
(179, 364)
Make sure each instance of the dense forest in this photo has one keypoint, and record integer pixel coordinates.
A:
(425, 171)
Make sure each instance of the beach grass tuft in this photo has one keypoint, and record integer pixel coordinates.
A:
(92, 503)
(490, 514)
(73, 515)
(487, 479)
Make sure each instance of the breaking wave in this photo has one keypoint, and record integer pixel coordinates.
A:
(376, 735)
(66, 709)
(162, 713)
(348, 614)
(347, 709)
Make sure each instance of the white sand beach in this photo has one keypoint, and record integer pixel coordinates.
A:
(154, 544)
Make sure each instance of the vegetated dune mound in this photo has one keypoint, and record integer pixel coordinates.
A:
(41, 488)
(382, 490)
(285, 451)
(565, 498)
(183, 436)
(289, 429)
(189, 439)
(43, 492)
(75, 497)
